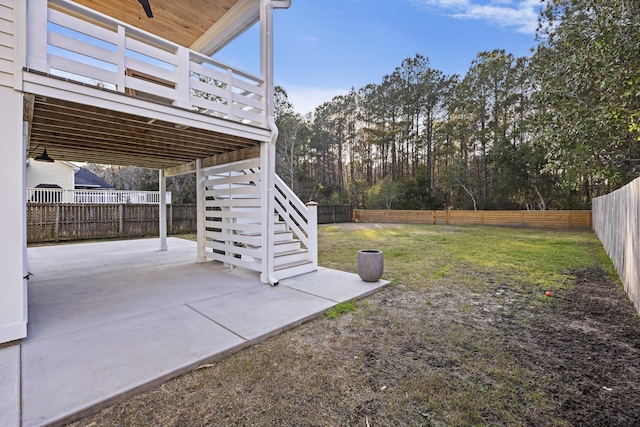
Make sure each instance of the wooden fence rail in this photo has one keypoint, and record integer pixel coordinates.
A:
(52, 222)
(542, 219)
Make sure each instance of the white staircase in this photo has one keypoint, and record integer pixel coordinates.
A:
(233, 222)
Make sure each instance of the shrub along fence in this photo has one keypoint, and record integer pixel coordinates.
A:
(52, 222)
(616, 219)
(542, 219)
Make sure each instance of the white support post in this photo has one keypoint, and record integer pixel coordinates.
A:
(229, 94)
(122, 64)
(227, 232)
(162, 205)
(312, 222)
(267, 170)
(37, 11)
(183, 85)
(19, 43)
(13, 303)
(268, 149)
(200, 214)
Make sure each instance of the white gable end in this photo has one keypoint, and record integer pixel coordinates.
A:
(57, 173)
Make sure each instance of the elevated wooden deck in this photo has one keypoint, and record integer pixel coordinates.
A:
(101, 90)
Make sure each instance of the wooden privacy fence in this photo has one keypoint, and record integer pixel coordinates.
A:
(329, 214)
(615, 220)
(542, 219)
(56, 222)
(53, 222)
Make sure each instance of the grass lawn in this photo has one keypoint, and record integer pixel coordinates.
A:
(463, 336)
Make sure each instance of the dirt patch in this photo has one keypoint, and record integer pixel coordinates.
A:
(447, 355)
(592, 350)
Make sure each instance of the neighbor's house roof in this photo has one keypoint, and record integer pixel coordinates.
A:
(87, 179)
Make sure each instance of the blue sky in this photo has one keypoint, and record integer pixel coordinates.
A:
(323, 48)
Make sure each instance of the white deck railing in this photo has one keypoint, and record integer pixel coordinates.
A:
(102, 197)
(75, 42)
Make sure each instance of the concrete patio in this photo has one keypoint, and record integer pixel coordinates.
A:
(109, 319)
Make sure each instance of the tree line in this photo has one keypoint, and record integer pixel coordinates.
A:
(549, 131)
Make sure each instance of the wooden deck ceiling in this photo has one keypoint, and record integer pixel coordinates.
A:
(80, 133)
(183, 22)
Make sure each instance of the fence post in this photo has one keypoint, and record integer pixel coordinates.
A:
(171, 219)
(570, 219)
(56, 225)
(120, 220)
(312, 223)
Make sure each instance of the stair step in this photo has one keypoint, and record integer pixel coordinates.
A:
(278, 227)
(250, 196)
(294, 269)
(292, 265)
(282, 246)
(289, 257)
(278, 236)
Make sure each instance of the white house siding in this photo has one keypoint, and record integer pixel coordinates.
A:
(6, 43)
(58, 173)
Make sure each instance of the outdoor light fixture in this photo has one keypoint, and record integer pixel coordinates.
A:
(44, 157)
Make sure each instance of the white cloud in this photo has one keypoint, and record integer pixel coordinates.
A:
(305, 99)
(446, 4)
(524, 17)
(520, 14)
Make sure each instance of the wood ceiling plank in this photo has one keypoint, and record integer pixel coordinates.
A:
(82, 133)
(142, 140)
(182, 22)
(166, 132)
(116, 118)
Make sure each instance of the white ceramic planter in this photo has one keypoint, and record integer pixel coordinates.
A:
(370, 265)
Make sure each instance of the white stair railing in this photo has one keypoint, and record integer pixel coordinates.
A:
(301, 218)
